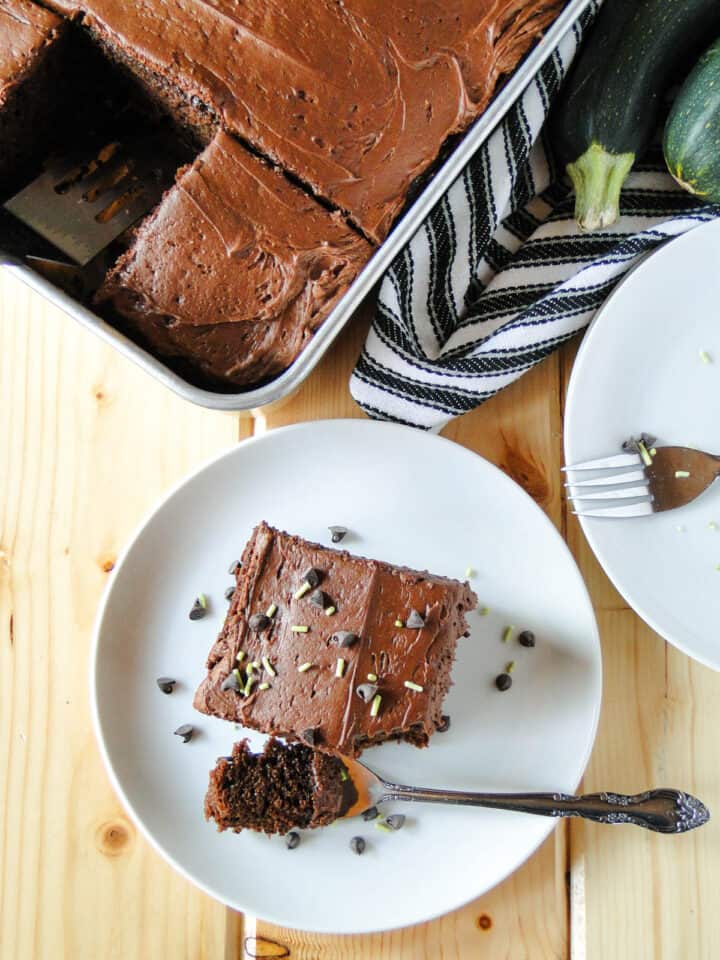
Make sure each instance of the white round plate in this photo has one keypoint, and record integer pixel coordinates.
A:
(640, 369)
(409, 498)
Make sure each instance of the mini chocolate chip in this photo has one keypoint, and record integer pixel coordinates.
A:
(310, 736)
(371, 813)
(527, 638)
(234, 567)
(229, 593)
(415, 621)
(292, 840)
(312, 577)
(395, 821)
(337, 533)
(166, 684)
(231, 682)
(197, 611)
(357, 845)
(344, 638)
(444, 724)
(503, 681)
(185, 731)
(366, 691)
(318, 599)
(632, 444)
(258, 622)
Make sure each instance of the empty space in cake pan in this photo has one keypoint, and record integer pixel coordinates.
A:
(99, 137)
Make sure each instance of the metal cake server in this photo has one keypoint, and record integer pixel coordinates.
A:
(81, 204)
(663, 810)
(638, 484)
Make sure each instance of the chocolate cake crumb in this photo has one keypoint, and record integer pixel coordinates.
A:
(287, 786)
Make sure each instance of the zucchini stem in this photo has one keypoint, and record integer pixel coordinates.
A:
(597, 177)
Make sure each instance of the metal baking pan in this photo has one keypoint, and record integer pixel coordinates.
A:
(290, 380)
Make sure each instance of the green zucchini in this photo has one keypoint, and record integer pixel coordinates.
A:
(610, 104)
(692, 133)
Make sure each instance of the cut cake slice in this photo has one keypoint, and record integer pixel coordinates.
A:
(335, 650)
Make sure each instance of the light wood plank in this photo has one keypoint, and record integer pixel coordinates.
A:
(520, 430)
(649, 896)
(639, 895)
(87, 444)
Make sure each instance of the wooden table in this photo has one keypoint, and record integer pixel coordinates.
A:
(88, 443)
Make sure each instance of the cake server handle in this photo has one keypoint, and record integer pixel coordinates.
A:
(663, 810)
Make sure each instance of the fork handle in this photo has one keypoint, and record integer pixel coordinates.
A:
(664, 810)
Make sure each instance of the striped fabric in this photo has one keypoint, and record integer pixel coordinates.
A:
(499, 275)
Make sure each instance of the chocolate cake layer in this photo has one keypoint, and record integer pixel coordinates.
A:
(301, 670)
(285, 786)
(32, 41)
(235, 269)
(354, 98)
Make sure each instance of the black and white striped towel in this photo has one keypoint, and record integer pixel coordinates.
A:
(499, 275)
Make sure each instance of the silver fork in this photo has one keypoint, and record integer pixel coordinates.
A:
(641, 481)
(663, 810)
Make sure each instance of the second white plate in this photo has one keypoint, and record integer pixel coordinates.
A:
(409, 498)
(640, 369)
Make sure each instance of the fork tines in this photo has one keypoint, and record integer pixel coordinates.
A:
(618, 460)
(627, 489)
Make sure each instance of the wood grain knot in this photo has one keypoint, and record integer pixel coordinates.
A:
(484, 921)
(261, 947)
(113, 838)
(101, 396)
(107, 562)
(527, 473)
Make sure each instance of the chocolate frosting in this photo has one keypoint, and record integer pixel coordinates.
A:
(369, 596)
(25, 29)
(236, 268)
(355, 98)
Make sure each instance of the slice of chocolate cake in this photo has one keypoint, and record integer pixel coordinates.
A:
(285, 786)
(235, 270)
(32, 41)
(335, 650)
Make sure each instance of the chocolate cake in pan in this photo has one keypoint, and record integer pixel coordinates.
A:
(33, 47)
(355, 99)
(317, 122)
